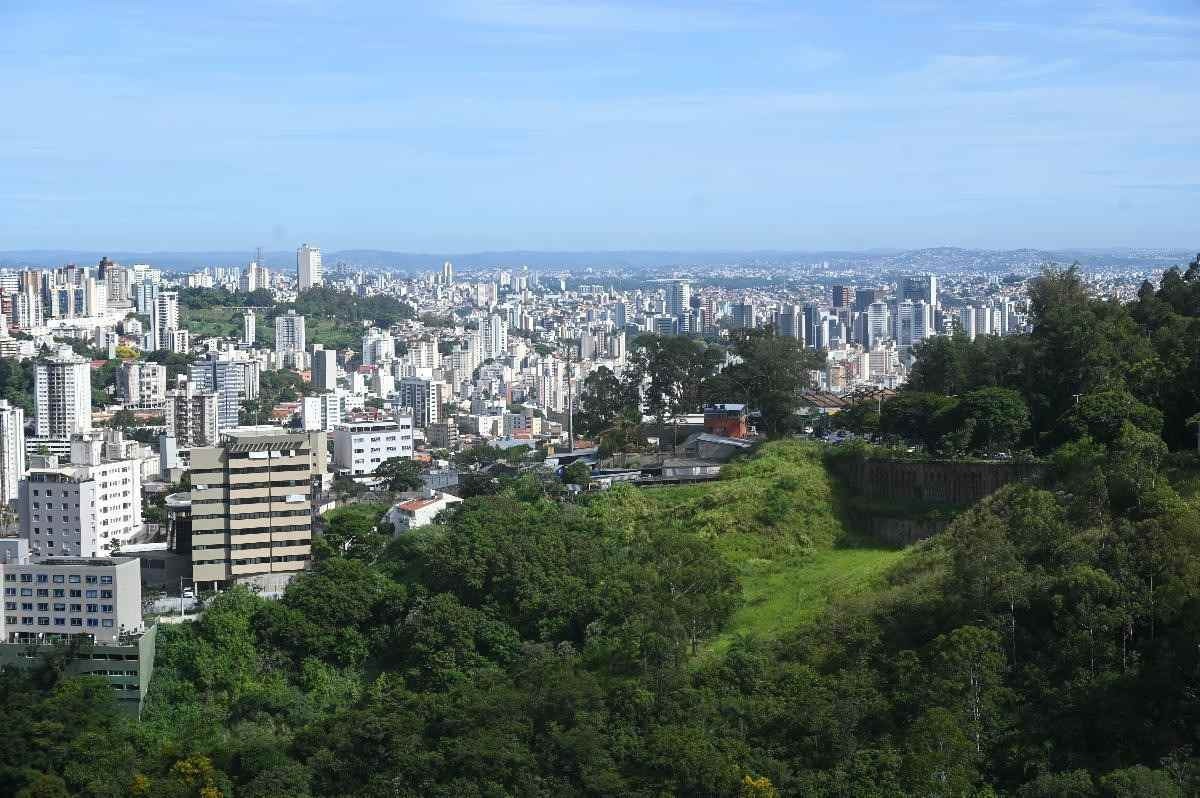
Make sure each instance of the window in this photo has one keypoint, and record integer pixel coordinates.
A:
(27, 606)
(60, 607)
(43, 578)
(106, 580)
(106, 594)
(60, 621)
(106, 608)
(92, 622)
(59, 579)
(43, 606)
(26, 577)
(58, 591)
(76, 608)
(76, 594)
(10, 591)
(77, 621)
(26, 591)
(93, 608)
(27, 620)
(92, 594)
(43, 621)
(41, 591)
(90, 579)
(73, 579)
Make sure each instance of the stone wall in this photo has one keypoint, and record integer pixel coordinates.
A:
(934, 482)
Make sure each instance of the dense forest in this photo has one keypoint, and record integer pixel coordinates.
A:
(1047, 644)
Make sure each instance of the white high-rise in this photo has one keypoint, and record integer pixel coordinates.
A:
(12, 450)
(248, 328)
(495, 337)
(308, 267)
(679, 298)
(63, 396)
(164, 320)
(448, 273)
(289, 338)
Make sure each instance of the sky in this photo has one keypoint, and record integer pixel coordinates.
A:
(466, 125)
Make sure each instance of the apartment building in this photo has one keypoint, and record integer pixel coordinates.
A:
(231, 375)
(193, 416)
(84, 508)
(95, 603)
(142, 385)
(359, 447)
(252, 506)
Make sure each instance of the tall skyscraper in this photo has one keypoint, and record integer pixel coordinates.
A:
(813, 335)
(878, 325)
(843, 296)
(863, 297)
(448, 273)
(63, 396)
(679, 298)
(12, 450)
(744, 316)
(193, 416)
(235, 379)
(308, 267)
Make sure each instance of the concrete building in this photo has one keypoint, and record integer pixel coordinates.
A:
(323, 412)
(63, 396)
(324, 368)
(12, 451)
(96, 601)
(290, 340)
(249, 331)
(426, 398)
(142, 385)
(164, 320)
(679, 298)
(252, 506)
(193, 416)
(359, 447)
(377, 347)
(495, 337)
(308, 267)
(83, 508)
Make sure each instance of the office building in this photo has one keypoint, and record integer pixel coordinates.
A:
(82, 508)
(789, 322)
(814, 335)
(252, 506)
(324, 368)
(744, 316)
(842, 296)
(51, 601)
(377, 347)
(863, 297)
(878, 324)
(63, 396)
(323, 412)
(193, 416)
(12, 451)
(308, 267)
(448, 273)
(359, 447)
(919, 288)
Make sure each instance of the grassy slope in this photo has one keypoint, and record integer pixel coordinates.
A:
(227, 322)
(792, 562)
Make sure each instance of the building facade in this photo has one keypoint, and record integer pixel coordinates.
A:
(359, 448)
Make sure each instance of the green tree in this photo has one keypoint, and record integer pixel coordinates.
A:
(400, 474)
(772, 373)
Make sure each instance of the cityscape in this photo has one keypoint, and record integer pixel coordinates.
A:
(590, 398)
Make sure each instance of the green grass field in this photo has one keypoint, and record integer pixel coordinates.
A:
(227, 322)
(776, 517)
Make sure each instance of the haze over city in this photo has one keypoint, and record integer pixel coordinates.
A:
(465, 125)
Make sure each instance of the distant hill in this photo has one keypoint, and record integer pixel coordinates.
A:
(934, 259)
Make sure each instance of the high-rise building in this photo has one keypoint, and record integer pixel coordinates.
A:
(495, 337)
(63, 396)
(164, 320)
(323, 412)
(248, 328)
(679, 298)
(744, 316)
(193, 416)
(377, 347)
(843, 296)
(448, 273)
(289, 339)
(863, 297)
(919, 288)
(878, 324)
(308, 267)
(324, 368)
(813, 335)
(424, 397)
(12, 450)
(252, 506)
(233, 376)
(789, 323)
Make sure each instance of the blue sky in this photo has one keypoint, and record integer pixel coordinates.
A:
(494, 124)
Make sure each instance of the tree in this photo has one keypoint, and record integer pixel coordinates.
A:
(1101, 416)
(400, 474)
(770, 377)
(913, 416)
(603, 400)
(991, 419)
(123, 419)
(577, 473)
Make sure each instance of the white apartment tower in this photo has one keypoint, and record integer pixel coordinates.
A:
(679, 298)
(495, 337)
(289, 338)
(308, 267)
(248, 328)
(164, 320)
(63, 396)
(12, 450)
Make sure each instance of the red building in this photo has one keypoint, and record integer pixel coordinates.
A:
(726, 420)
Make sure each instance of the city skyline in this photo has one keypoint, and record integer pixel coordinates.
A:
(540, 125)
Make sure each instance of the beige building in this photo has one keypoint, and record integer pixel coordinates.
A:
(252, 506)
